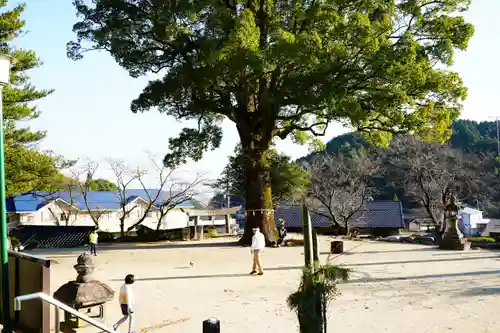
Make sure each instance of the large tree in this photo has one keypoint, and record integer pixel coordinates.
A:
(26, 167)
(288, 180)
(281, 68)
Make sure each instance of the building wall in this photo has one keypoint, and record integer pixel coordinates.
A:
(108, 221)
(471, 223)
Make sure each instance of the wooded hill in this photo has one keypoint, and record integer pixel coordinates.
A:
(468, 135)
(476, 141)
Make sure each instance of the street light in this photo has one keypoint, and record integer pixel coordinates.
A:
(5, 62)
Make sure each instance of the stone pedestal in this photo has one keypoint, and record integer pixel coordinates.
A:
(453, 239)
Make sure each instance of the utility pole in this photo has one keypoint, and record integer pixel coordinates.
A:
(228, 196)
(497, 159)
(498, 137)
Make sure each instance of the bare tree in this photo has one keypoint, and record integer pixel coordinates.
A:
(70, 216)
(124, 179)
(340, 186)
(87, 172)
(431, 173)
(177, 191)
(153, 197)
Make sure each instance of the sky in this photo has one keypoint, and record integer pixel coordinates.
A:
(88, 116)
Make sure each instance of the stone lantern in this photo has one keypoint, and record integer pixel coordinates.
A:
(453, 239)
(84, 294)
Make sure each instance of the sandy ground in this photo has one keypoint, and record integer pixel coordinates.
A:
(394, 287)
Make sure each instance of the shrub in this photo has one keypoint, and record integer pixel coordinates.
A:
(106, 237)
(481, 239)
(211, 232)
(13, 243)
(317, 288)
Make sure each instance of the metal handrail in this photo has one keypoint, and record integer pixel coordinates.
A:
(51, 300)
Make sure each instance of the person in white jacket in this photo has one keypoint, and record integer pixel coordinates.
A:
(258, 245)
(127, 303)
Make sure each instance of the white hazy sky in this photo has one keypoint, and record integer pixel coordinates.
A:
(88, 115)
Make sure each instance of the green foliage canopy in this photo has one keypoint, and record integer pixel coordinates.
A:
(278, 68)
(288, 179)
(101, 184)
(27, 168)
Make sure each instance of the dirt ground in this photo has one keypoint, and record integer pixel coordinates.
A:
(393, 288)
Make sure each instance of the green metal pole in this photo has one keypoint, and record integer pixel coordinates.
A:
(7, 327)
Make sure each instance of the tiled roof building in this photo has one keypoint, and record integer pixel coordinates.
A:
(377, 214)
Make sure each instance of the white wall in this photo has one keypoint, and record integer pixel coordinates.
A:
(110, 222)
(214, 220)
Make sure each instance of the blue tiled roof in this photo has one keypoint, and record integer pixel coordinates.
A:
(105, 200)
(377, 214)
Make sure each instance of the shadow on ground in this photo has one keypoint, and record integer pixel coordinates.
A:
(414, 261)
(424, 277)
(480, 291)
(103, 248)
(427, 249)
(210, 276)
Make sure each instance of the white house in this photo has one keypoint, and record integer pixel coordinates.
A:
(492, 228)
(472, 222)
(69, 209)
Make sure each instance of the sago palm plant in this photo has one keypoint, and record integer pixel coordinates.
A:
(317, 288)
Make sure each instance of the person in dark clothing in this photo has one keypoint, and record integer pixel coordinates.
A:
(282, 233)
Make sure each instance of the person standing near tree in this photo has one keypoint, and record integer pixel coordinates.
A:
(93, 239)
(258, 245)
(282, 233)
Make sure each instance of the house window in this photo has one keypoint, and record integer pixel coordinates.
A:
(27, 218)
(63, 217)
(149, 214)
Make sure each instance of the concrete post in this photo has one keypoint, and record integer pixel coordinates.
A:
(211, 325)
(195, 218)
(227, 217)
(200, 232)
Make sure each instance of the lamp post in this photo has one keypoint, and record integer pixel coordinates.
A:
(5, 62)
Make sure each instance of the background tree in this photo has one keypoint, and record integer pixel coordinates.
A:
(177, 192)
(68, 216)
(125, 178)
(26, 167)
(432, 173)
(279, 68)
(340, 187)
(100, 184)
(288, 180)
(82, 176)
(162, 193)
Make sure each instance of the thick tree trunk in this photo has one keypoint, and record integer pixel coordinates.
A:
(122, 227)
(259, 202)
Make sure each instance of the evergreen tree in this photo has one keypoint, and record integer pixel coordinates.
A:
(26, 167)
(284, 69)
(288, 180)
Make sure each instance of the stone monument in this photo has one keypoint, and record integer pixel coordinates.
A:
(453, 239)
(84, 294)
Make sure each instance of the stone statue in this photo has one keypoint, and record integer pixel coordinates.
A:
(453, 239)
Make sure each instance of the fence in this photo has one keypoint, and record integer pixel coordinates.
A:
(29, 274)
